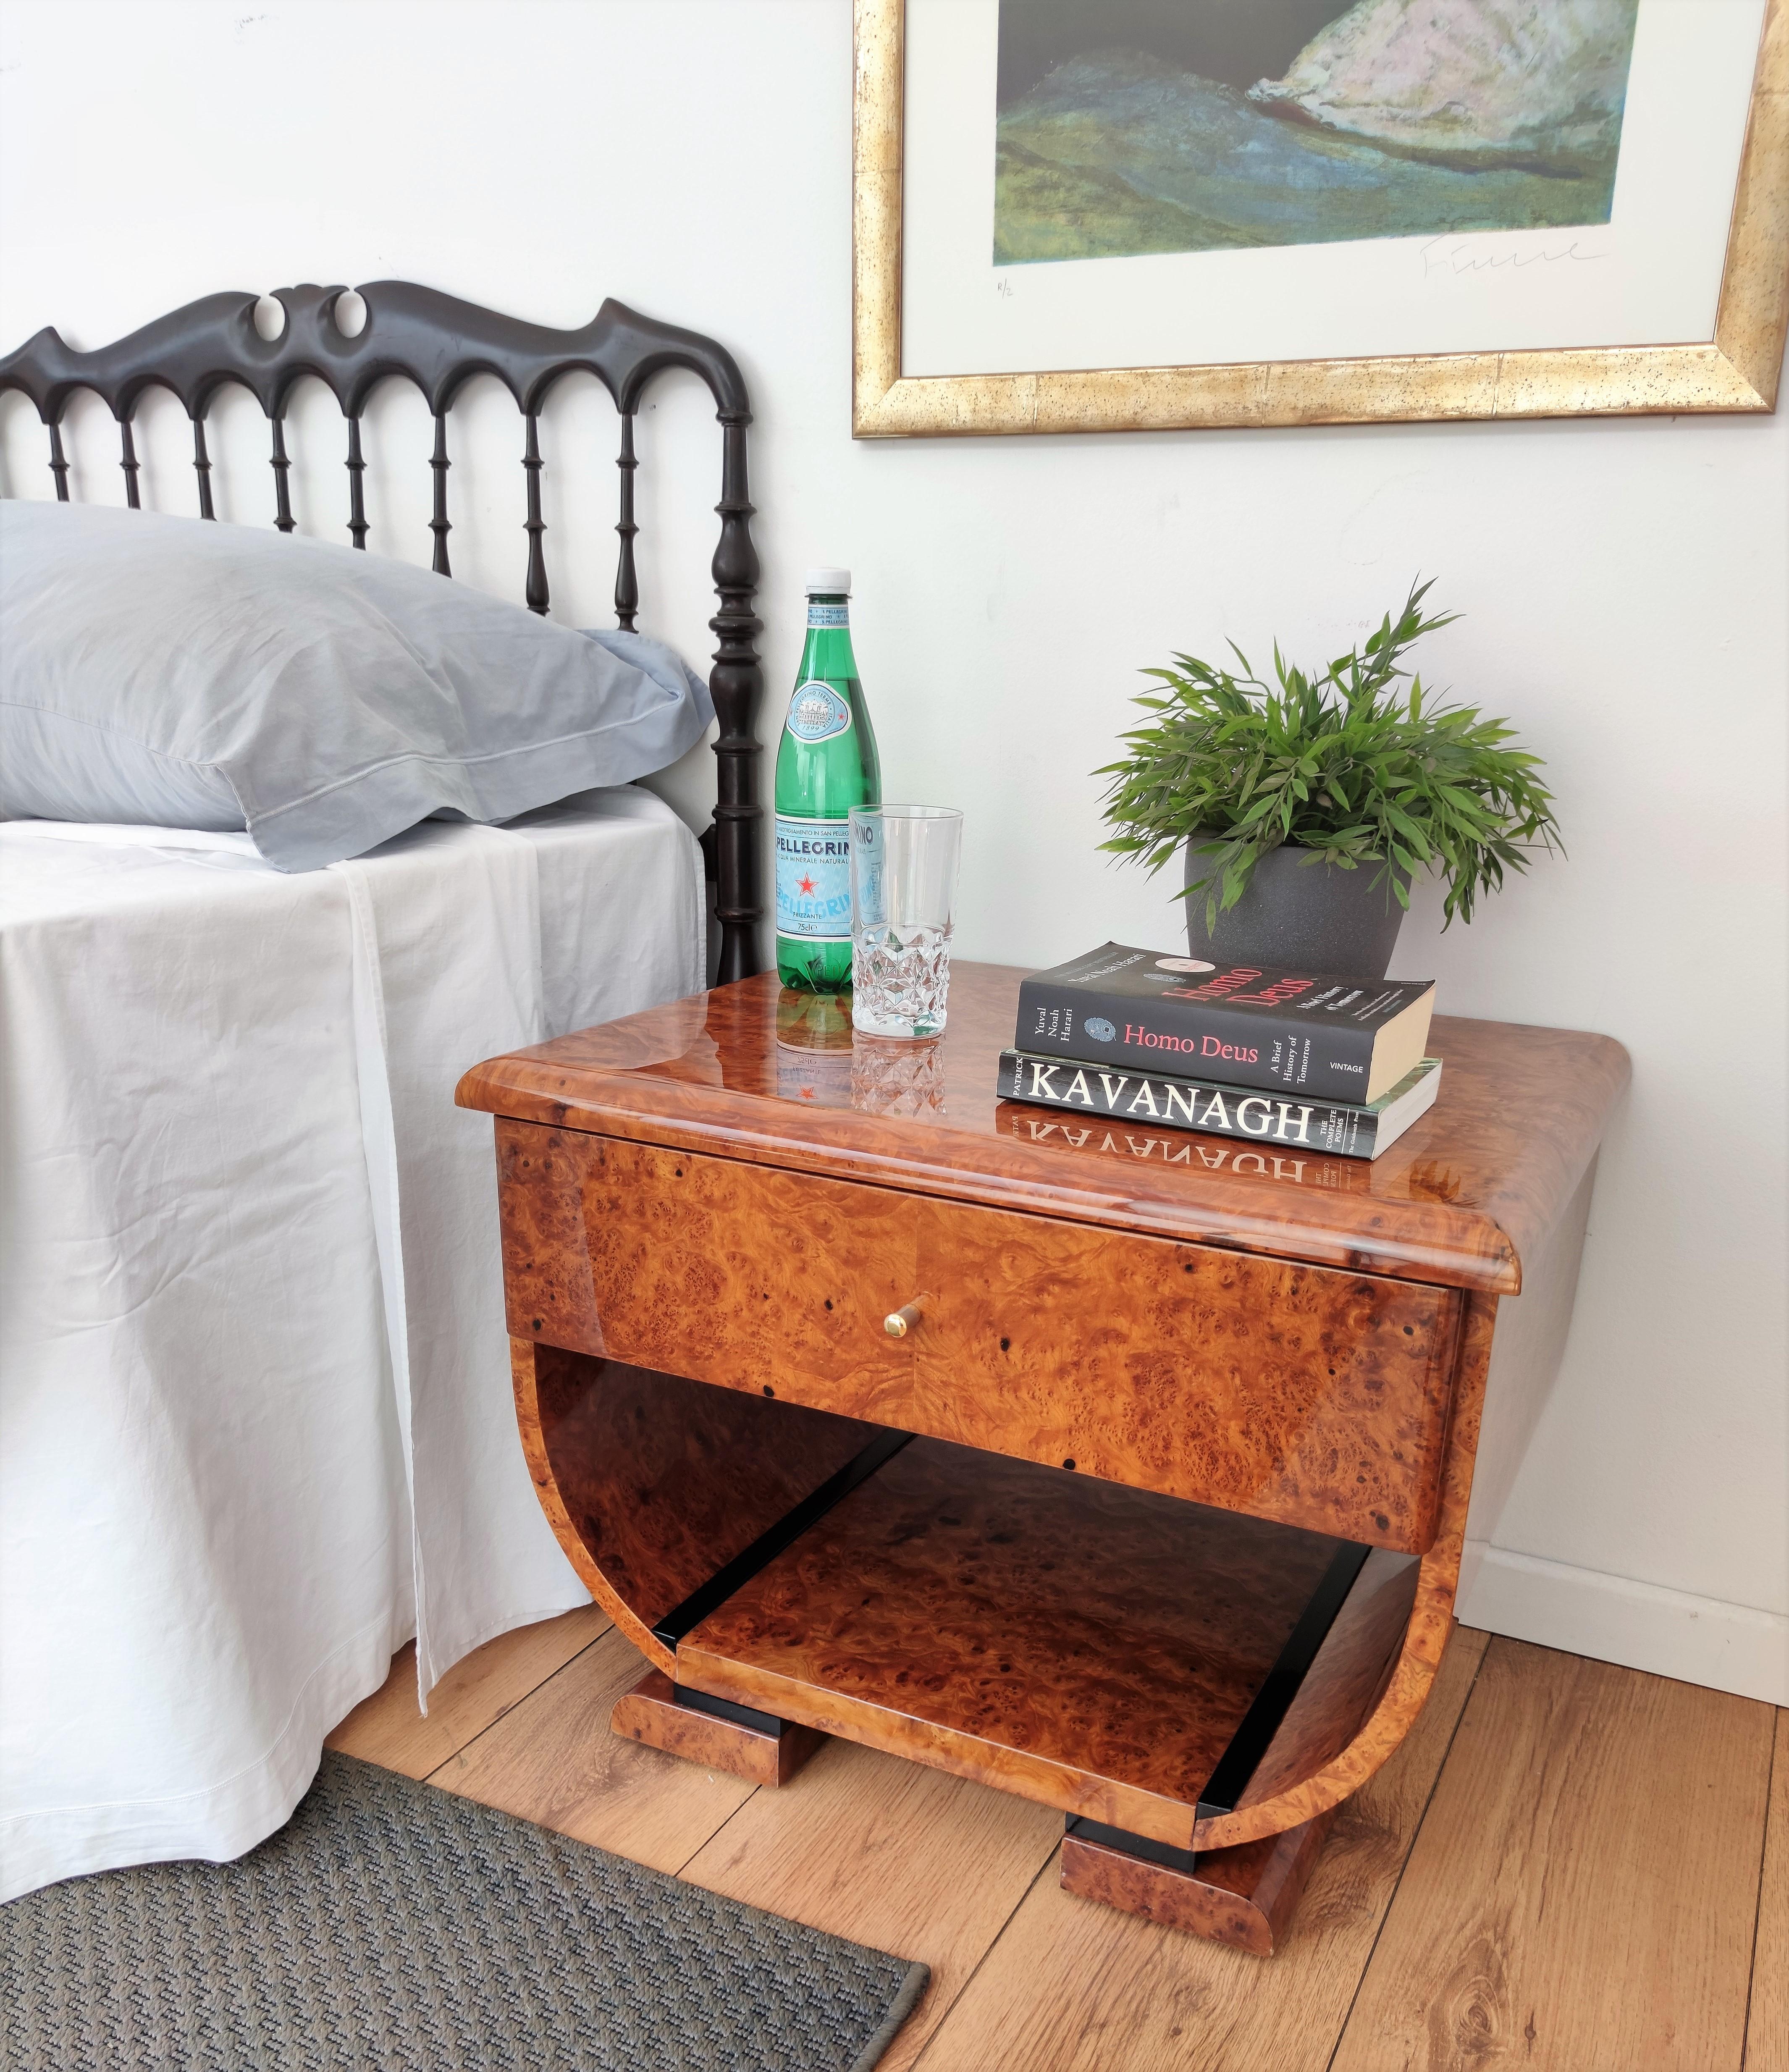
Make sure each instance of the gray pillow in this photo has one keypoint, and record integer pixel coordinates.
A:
(172, 672)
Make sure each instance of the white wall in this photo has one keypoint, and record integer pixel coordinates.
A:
(1623, 584)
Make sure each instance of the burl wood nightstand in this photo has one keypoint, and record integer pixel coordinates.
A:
(1122, 1468)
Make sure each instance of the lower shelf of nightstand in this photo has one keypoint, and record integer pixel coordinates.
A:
(1092, 1646)
(1140, 1660)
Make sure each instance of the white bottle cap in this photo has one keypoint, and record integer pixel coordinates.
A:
(829, 583)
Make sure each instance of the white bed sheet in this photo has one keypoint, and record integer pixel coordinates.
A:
(255, 1418)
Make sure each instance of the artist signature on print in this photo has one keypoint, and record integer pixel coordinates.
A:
(1459, 257)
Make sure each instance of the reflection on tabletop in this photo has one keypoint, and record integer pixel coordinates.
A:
(823, 1062)
(1463, 1185)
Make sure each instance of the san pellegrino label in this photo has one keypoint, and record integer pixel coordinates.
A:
(826, 763)
(813, 879)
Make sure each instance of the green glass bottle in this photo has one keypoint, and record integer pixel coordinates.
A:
(826, 764)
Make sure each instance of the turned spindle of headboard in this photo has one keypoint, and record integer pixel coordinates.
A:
(440, 343)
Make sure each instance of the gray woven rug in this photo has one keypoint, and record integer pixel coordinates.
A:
(390, 1925)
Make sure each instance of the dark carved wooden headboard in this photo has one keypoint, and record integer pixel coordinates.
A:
(440, 343)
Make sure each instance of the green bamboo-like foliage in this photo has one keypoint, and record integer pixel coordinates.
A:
(1350, 765)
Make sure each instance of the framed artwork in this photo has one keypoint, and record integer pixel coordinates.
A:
(1116, 215)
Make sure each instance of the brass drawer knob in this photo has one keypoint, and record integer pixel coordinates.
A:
(900, 1321)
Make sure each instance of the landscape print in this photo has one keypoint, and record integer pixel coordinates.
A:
(1133, 126)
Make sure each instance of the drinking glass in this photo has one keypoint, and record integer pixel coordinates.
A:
(904, 900)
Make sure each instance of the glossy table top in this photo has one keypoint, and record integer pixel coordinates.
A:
(750, 1071)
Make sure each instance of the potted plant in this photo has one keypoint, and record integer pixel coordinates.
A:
(1306, 807)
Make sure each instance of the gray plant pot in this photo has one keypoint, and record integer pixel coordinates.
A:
(1307, 917)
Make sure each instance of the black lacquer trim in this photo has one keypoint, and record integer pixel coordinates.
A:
(1145, 1846)
(1261, 1721)
(440, 343)
(787, 1529)
(1258, 1726)
(725, 1708)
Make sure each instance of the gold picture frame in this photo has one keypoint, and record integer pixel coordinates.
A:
(1736, 370)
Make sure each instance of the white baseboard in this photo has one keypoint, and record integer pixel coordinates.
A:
(1612, 1618)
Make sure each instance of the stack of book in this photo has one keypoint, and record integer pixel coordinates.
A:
(1306, 1059)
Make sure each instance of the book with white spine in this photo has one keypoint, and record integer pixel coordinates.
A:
(1353, 1131)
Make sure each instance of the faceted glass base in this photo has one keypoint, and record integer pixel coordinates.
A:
(900, 981)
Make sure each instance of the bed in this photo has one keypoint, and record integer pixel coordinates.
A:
(254, 1429)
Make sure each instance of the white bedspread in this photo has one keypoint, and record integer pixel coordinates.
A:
(255, 1418)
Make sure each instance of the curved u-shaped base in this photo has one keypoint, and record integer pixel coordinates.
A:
(543, 1400)
(653, 1483)
(1336, 1775)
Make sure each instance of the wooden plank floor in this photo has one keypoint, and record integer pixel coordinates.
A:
(1566, 1868)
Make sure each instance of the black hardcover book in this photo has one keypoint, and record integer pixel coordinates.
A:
(1141, 1098)
(1316, 1034)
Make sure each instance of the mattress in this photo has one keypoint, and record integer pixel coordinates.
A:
(255, 1415)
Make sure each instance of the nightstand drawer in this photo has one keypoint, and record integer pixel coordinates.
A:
(744, 1275)
(1297, 1393)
